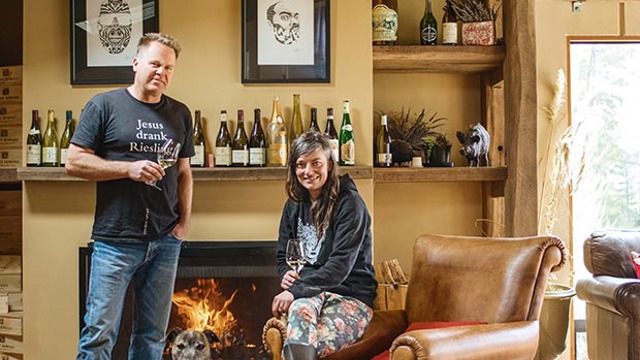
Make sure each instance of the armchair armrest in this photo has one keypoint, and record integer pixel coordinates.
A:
(618, 295)
(274, 332)
(514, 341)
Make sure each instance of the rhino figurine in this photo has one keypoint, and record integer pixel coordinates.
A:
(475, 144)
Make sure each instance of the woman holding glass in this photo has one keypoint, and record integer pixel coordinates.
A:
(328, 297)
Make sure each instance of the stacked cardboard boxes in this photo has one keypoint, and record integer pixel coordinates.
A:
(11, 116)
(11, 307)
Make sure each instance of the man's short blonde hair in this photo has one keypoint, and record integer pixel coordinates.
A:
(161, 38)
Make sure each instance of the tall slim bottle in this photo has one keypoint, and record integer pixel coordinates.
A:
(383, 145)
(277, 151)
(384, 22)
(199, 142)
(428, 26)
(313, 124)
(296, 121)
(65, 140)
(50, 144)
(240, 149)
(331, 133)
(257, 145)
(449, 25)
(347, 141)
(223, 142)
(34, 141)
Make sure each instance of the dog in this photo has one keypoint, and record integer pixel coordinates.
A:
(475, 144)
(191, 345)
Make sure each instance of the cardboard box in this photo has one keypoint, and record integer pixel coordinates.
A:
(10, 137)
(10, 302)
(11, 93)
(10, 283)
(10, 114)
(11, 75)
(11, 344)
(11, 158)
(11, 324)
(390, 297)
(10, 205)
(4, 356)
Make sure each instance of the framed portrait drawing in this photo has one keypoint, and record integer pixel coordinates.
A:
(285, 41)
(104, 37)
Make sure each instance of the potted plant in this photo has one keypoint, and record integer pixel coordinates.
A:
(438, 150)
(478, 21)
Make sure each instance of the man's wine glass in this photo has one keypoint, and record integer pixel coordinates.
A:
(167, 156)
(295, 255)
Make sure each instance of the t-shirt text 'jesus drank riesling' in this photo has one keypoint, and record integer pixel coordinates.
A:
(34, 141)
(331, 133)
(240, 149)
(383, 145)
(223, 142)
(347, 141)
(199, 142)
(257, 145)
(384, 21)
(65, 140)
(50, 143)
(277, 152)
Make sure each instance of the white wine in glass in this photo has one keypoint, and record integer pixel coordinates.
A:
(295, 255)
(167, 157)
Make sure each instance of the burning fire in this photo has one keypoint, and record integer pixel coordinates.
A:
(204, 307)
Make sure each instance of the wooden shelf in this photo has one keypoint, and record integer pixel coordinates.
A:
(8, 175)
(453, 174)
(439, 58)
(199, 174)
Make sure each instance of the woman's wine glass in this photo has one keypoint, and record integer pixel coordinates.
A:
(167, 156)
(295, 255)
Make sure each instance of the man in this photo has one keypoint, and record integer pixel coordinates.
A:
(138, 228)
(284, 22)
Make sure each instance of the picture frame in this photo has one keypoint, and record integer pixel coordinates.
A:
(285, 41)
(104, 38)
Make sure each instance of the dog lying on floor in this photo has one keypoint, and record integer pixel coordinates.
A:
(191, 345)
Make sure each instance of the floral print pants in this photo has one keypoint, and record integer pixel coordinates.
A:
(327, 321)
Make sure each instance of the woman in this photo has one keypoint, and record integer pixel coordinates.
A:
(329, 303)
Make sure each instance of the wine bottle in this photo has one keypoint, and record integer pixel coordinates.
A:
(240, 149)
(50, 145)
(347, 141)
(332, 135)
(428, 26)
(296, 121)
(384, 21)
(65, 140)
(313, 124)
(383, 145)
(34, 141)
(223, 142)
(257, 151)
(199, 142)
(449, 25)
(277, 153)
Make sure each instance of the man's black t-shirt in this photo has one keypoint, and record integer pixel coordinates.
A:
(119, 127)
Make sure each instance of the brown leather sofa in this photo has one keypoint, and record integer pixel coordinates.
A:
(612, 295)
(497, 281)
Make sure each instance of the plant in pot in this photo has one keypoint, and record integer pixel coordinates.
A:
(438, 150)
(408, 133)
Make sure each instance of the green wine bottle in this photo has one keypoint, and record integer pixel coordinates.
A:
(34, 141)
(428, 26)
(383, 145)
(50, 145)
(296, 121)
(199, 142)
(65, 140)
(257, 143)
(223, 142)
(313, 124)
(347, 141)
(240, 148)
(331, 133)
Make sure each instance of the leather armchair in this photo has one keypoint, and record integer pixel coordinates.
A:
(496, 281)
(612, 295)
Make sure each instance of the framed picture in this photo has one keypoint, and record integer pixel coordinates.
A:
(104, 37)
(285, 41)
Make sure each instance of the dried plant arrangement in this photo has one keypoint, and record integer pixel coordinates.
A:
(474, 11)
(412, 129)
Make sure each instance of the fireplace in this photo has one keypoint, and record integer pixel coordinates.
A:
(226, 287)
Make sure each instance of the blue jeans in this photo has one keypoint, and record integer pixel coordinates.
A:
(152, 267)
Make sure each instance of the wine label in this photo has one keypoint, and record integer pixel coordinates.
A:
(348, 153)
(278, 154)
(34, 154)
(257, 156)
(49, 155)
(450, 33)
(429, 34)
(198, 158)
(63, 156)
(384, 23)
(385, 159)
(335, 146)
(240, 157)
(223, 155)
